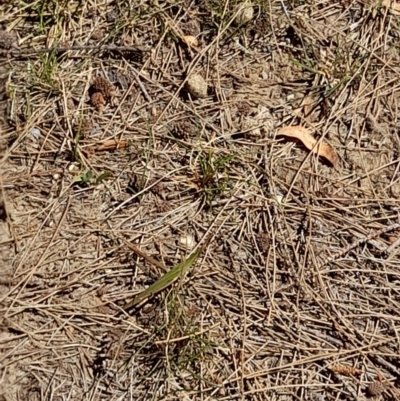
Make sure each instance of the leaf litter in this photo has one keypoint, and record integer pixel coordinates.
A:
(269, 302)
(319, 148)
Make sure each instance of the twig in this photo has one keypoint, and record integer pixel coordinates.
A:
(355, 244)
(145, 256)
(393, 246)
(32, 271)
(142, 88)
(284, 8)
(28, 52)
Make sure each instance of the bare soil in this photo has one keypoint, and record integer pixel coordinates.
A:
(295, 295)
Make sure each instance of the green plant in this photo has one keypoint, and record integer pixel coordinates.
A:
(49, 12)
(102, 177)
(213, 178)
(87, 178)
(84, 179)
(166, 280)
(186, 349)
(44, 72)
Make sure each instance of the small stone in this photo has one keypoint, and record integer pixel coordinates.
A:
(124, 80)
(112, 16)
(245, 13)
(237, 252)
(49, 115)
(70, 104)
(35, 133)
(186, 241)
(395, 190)
(197, 86)
(73, 167)
(279, 198)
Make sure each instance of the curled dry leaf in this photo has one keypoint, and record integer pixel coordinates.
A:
(393, 5)
(304, 135)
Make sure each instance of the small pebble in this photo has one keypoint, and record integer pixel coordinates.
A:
(112, 76)
(197, 86)
(35, 133)
(73, 167)
(50, 114)
(187, 241)
(245, 14)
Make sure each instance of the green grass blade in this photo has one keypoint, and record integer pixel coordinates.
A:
(165, 281)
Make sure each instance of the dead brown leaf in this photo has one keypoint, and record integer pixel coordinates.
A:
(304, 135)
(393, 5)
(111, 144)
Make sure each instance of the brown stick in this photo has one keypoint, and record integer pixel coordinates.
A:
(359, 242)
(28, 52)
(145, 256)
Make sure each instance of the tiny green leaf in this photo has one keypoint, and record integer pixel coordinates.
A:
(165, 281)
(103, 176)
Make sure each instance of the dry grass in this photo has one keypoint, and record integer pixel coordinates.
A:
(295, 296)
